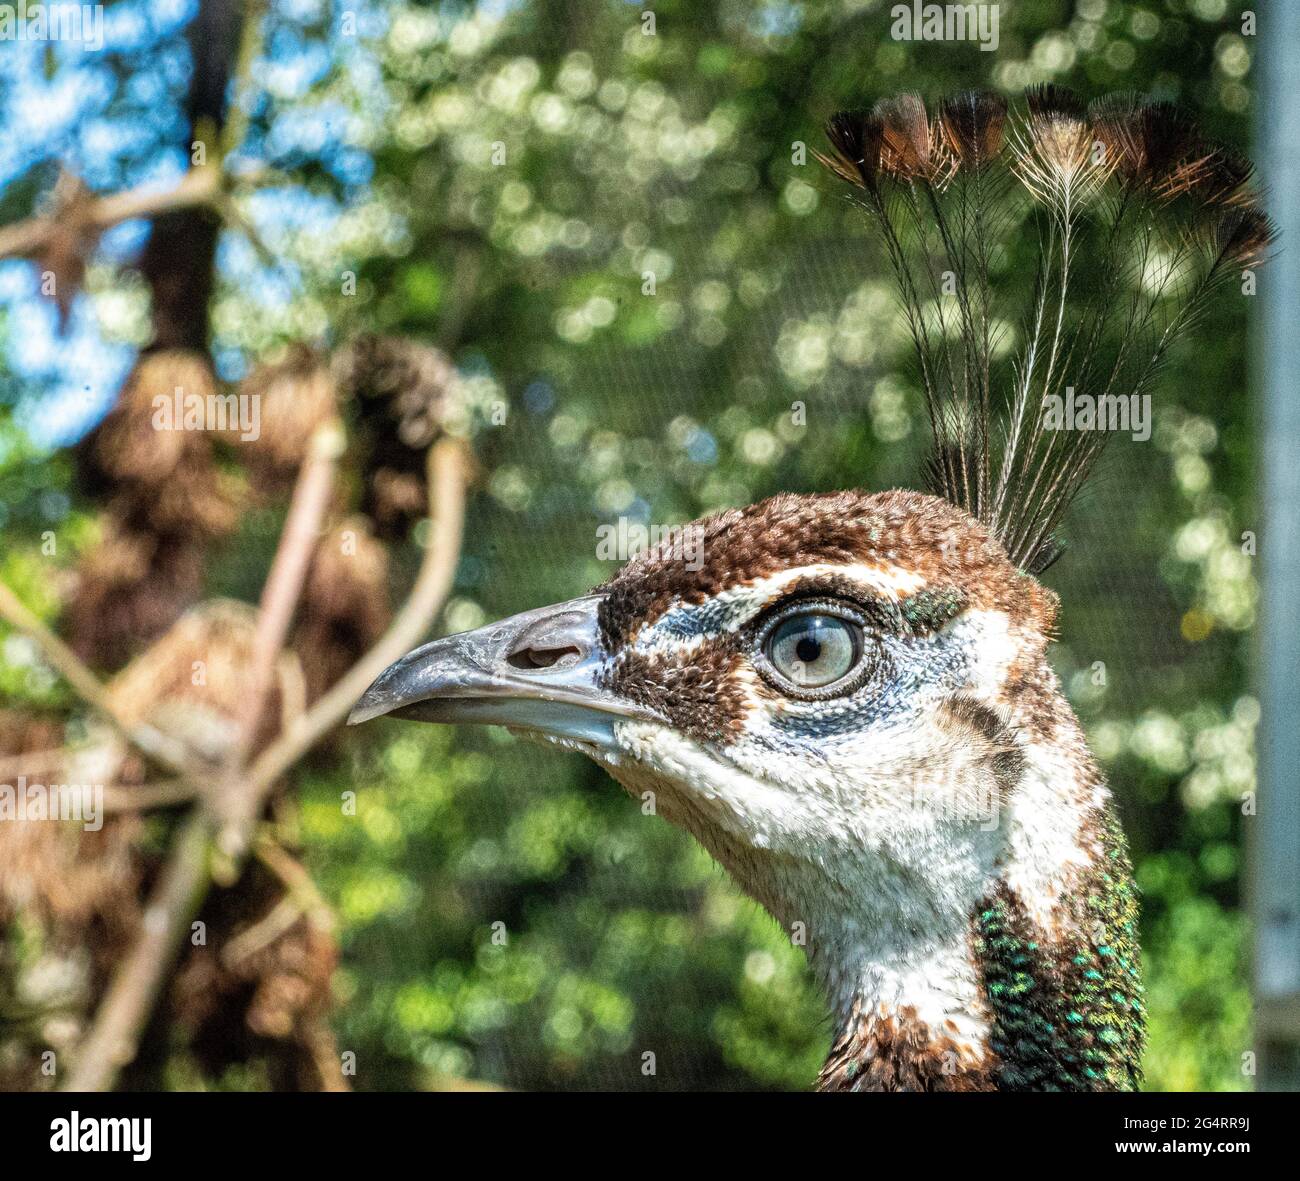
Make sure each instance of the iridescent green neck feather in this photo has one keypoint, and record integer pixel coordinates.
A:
(1068, 1011)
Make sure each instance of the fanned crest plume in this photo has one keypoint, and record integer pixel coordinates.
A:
(1138, 218)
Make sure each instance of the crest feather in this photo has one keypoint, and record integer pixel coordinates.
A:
(1139, 220)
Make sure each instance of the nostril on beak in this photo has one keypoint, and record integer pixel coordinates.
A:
(554, 641)
(528, 657)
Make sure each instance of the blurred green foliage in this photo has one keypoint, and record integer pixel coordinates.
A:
(508, 915)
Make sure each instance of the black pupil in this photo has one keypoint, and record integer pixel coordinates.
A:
(808, 649)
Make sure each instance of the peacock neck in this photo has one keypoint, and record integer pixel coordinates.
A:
(1037, 986)
(1066, 1001)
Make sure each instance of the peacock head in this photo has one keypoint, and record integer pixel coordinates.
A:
(822, 689)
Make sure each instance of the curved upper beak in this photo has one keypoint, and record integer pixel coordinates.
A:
(539, 671)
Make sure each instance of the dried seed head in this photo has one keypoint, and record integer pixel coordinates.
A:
(296, 395)
(127, 445)
(130, 588)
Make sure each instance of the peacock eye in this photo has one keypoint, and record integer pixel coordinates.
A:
(813, 650)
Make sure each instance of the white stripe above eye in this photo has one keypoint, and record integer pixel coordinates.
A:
(684, 625)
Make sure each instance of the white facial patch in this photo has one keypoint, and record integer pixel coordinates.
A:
(876, 881)
(993, 649)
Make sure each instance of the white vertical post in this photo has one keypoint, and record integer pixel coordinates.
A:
(1276, 835)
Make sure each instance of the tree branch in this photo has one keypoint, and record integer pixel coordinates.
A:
(142, 797)
(295, 879)
(240, 797)
(302, 900)
(153, 742)
(120, 1019)
(283, 588)
(448, 473)
(200, 186)
(138, 981)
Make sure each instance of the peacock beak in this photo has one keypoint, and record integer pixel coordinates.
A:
(538, 671)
